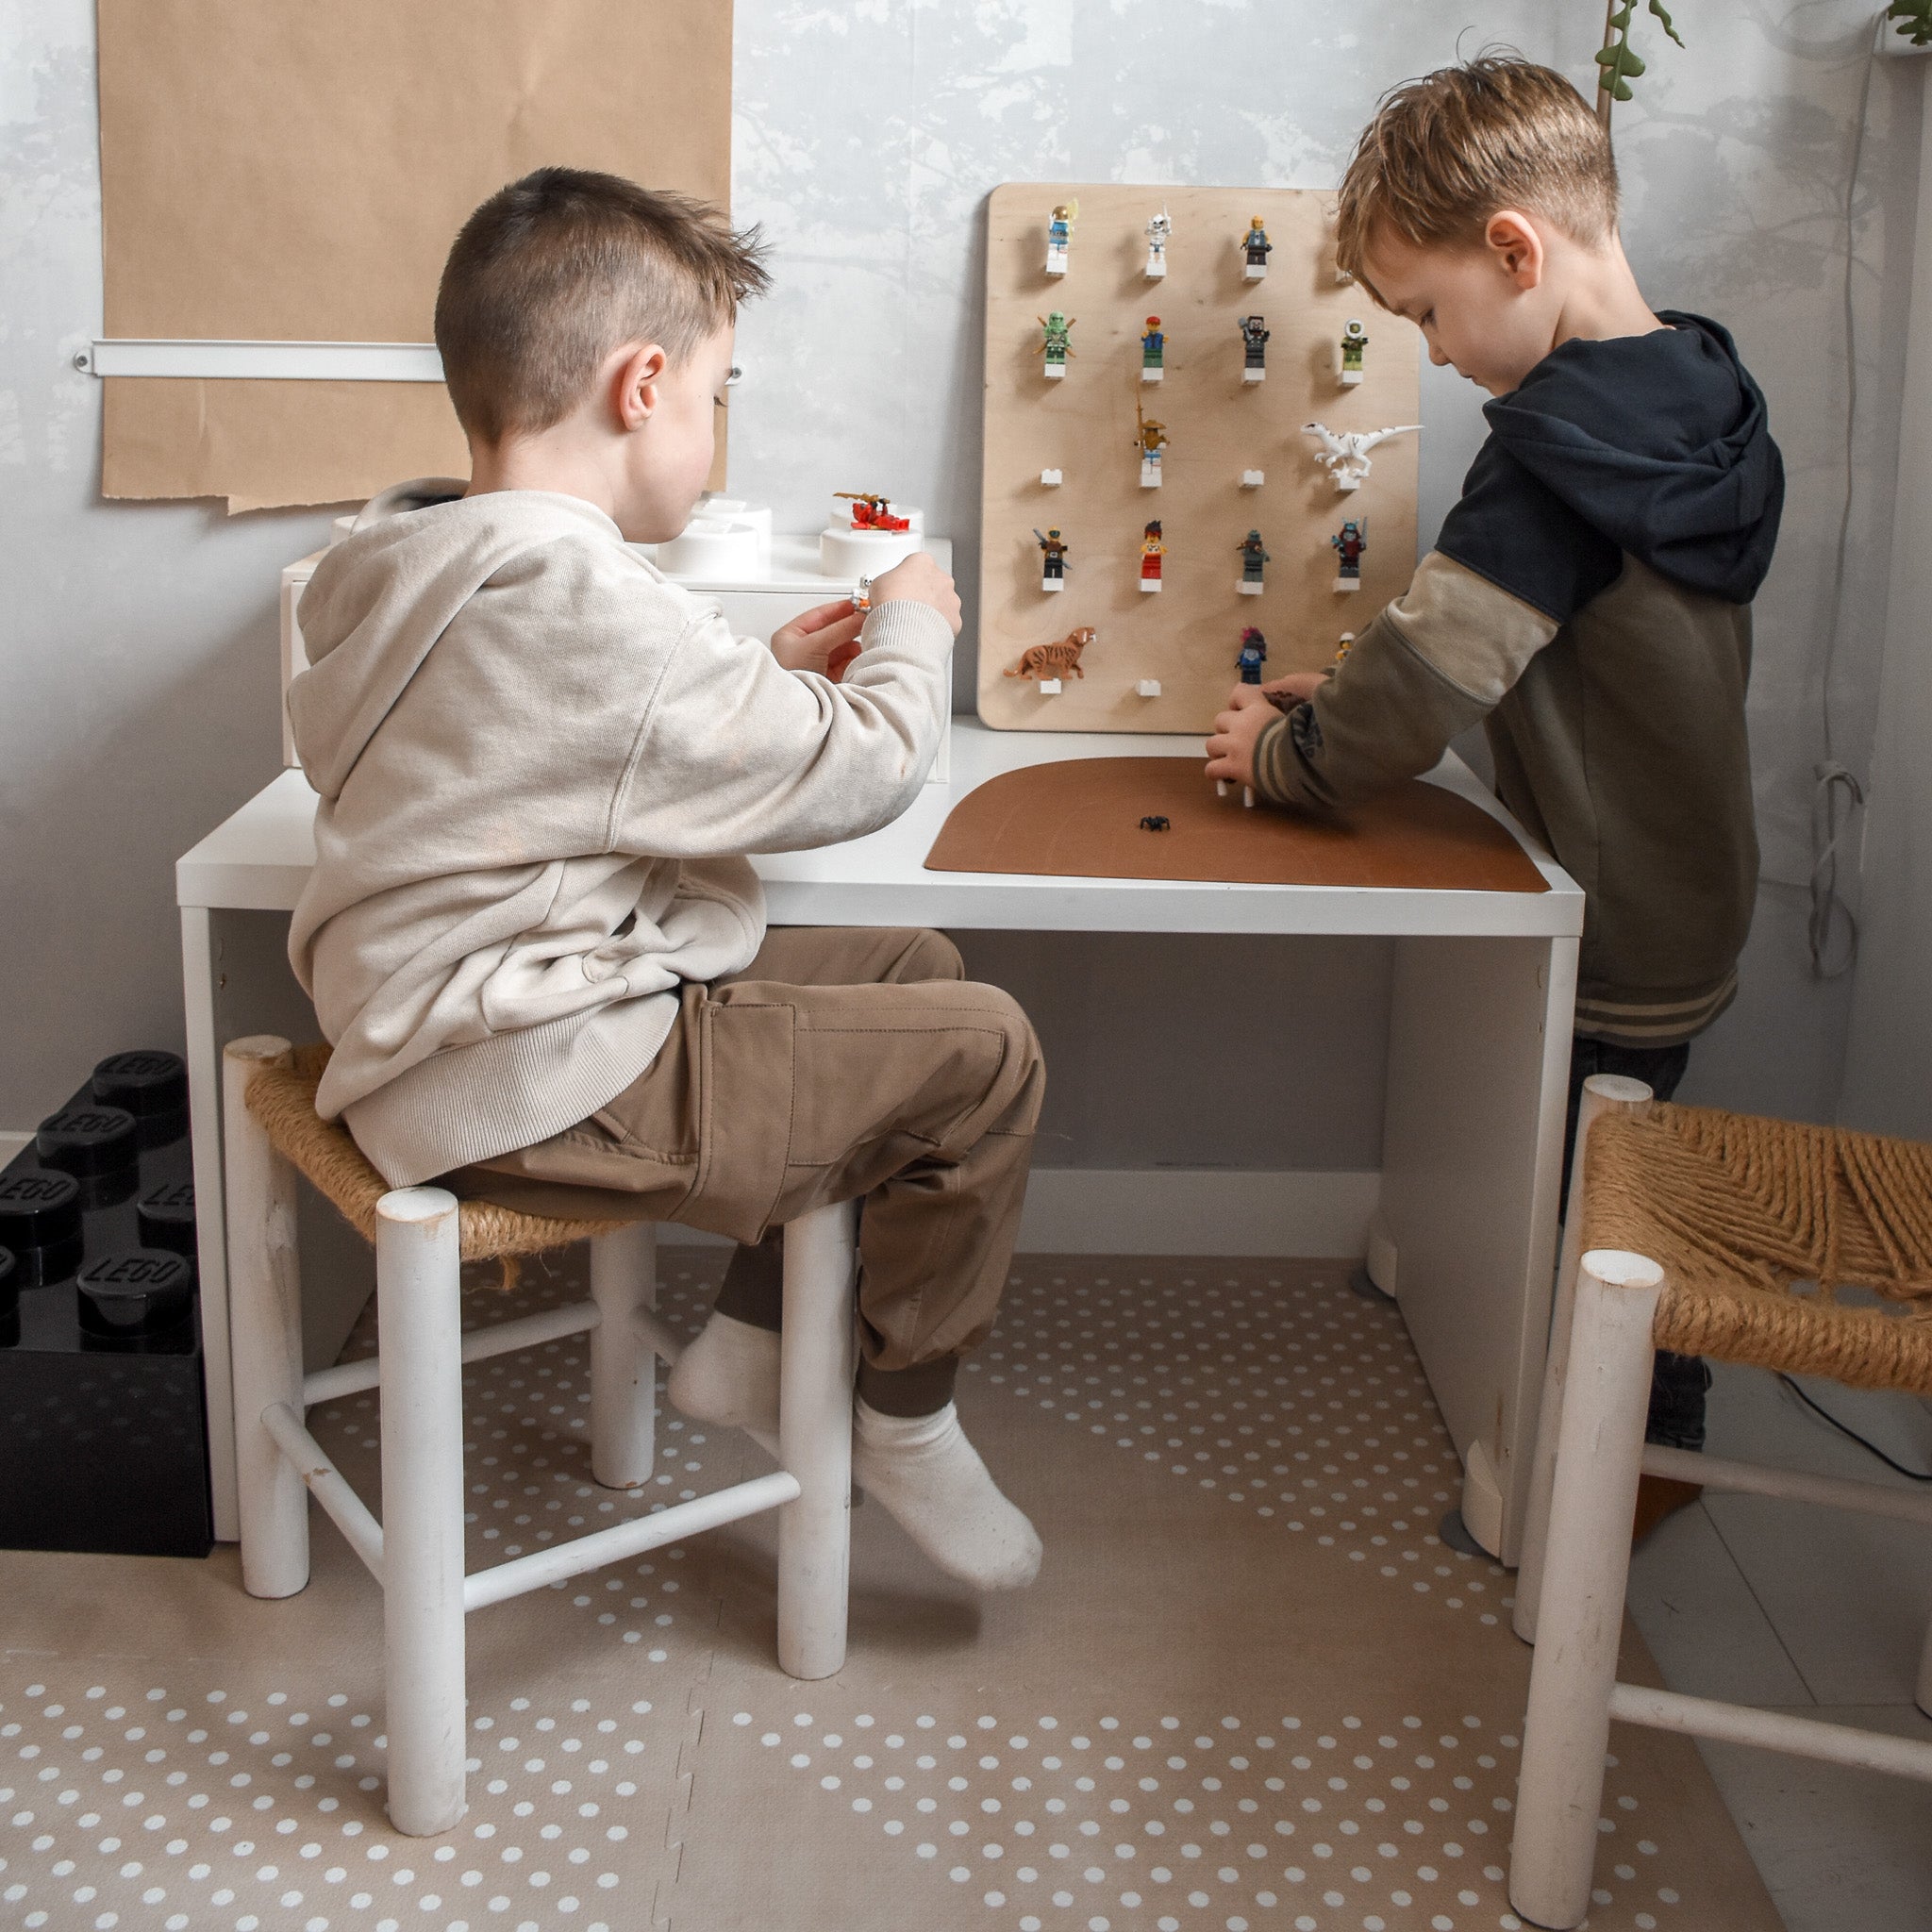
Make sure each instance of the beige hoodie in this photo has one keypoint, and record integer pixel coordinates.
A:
(541, 766)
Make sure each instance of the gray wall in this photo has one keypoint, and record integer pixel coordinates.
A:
(137, 645)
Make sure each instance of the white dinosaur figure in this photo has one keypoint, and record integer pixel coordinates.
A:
(1345, 453)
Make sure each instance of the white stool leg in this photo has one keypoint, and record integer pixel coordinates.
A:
(1599, 1457)
(265, 1328)
(418, 1311)
(1602, 1093)
(624, 1366)
(817, 1363)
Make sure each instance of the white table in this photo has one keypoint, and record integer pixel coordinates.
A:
(1480, 1049)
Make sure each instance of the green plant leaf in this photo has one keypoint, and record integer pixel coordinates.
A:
(1619, 63)
(1657, 7)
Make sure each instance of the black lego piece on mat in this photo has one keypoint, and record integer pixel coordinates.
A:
(103, 1424)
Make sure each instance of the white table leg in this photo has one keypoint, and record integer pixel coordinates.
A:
(1480, 1035)
(205, 1121)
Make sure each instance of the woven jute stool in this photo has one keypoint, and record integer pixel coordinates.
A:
(422, 1236)
(1713, 1234)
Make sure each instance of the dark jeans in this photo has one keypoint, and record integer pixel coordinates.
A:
(1678, 1382)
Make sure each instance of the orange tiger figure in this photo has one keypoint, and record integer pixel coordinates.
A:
(1060, 659)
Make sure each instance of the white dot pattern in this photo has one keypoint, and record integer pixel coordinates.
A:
(1288, 1395)
(619, 1719)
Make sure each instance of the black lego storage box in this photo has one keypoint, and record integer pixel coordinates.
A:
(103, 1424)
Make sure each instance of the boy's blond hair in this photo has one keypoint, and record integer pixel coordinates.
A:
(1445, 152)
(554, 270)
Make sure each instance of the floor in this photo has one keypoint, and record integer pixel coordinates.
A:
(1251, 1692)
(1817, 1611)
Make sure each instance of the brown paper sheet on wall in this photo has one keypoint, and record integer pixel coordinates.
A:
(297, 171)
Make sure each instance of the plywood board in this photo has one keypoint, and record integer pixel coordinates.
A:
(1187, 636)
(298, 172)
(1089, 818)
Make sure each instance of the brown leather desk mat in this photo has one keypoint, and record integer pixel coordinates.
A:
(1081, 818)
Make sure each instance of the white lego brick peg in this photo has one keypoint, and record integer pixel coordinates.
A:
(1149, 687)
(1253, 479)
(1056, 371)
(1050, 479)
(1049, 686)
(1150, 584)
(1248, 589)
(1052, 584)
(1254, 375)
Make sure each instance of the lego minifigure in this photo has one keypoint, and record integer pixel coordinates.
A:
(1158, 229)
(1354, 339)
(1152, 551)
(1055, 660)
(1153, 346)
(1058, 331)
(1255, 334)
(871, 511)
(1152, 439)
(1052, 561)
(1253, 558)
(1343, 646)
(1060, 232)
(1253, 654)
(1348, 544)
(1255, 247)
(862, 595)
(1345, 453)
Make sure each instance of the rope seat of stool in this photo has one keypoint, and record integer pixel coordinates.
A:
(1744, 1213)
(281, 1095)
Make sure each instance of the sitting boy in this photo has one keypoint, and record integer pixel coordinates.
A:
(532, 933)
(1588, 600)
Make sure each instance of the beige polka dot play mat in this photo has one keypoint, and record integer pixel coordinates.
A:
(1252, 1689)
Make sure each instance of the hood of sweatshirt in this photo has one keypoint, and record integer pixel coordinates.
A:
(1662, 444)
(382, 597)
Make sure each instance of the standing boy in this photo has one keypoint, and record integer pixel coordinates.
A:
(533, 935)
(1588, 601)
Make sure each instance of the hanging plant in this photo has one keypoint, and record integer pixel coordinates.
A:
(1619, 63)
(1912, 19)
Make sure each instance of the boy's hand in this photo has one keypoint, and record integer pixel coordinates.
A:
(823, 639)
(1231, 750)
(920, 580)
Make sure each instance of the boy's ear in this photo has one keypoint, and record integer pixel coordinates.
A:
(638, 371)
(1515, 247)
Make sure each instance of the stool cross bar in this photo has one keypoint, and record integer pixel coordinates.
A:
(415, 1553)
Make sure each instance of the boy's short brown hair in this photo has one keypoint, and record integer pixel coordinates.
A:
(557, 270)
(1445, 152)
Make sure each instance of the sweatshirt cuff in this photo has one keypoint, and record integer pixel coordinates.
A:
(906, 624)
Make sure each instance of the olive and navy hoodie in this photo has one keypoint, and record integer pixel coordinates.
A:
(1589, 603)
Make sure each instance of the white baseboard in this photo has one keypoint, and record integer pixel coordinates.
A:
(1101, 1210)
(1075, 1210)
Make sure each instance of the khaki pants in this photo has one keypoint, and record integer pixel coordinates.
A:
(841, 1062)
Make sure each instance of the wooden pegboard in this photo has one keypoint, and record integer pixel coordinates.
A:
(1084, 426)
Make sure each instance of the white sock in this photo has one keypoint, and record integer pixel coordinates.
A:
(729, 1376)
(935, 1487)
